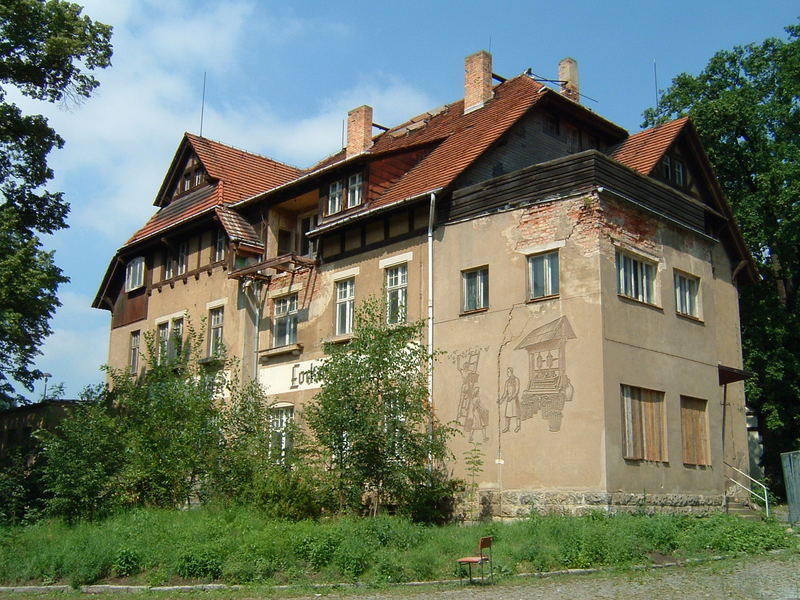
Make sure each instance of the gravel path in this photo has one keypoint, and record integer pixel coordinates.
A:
(773, 577)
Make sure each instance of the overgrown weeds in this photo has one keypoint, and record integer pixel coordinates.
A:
(239, 545)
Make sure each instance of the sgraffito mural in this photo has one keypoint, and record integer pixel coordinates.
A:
(472, 415)
(549, 387)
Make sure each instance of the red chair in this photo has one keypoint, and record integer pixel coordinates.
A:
(484, 557)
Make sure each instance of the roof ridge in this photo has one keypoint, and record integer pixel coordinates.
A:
(193, 137)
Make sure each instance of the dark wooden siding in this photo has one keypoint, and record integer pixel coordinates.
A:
(129, 307)
(569, 175)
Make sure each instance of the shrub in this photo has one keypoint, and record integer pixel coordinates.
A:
(126, 562)
(200, 563)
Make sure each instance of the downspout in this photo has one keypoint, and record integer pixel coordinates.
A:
(256, 326)
(431, 218)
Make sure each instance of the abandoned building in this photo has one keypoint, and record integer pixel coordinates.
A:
(581, 282)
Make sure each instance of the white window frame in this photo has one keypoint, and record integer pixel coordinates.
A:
(219, 245)
(134, 274)
(162, 342)
(335, 193)
(544, 282)
(134, 347)
(475, 289)
(280, 424)
(636, 277)
(175, 342)
(183, 257)
(284, 325)
(355, 189)
(345, 305)
(169, 271)
(216, 331)
(396, 293)
(687, 294)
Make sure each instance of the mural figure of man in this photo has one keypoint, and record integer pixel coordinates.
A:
(511, 398)
(471, 413)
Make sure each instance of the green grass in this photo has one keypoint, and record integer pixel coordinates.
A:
(237, 545)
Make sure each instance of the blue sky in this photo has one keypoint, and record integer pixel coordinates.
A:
(281, 77)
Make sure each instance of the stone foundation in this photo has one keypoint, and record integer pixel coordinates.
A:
(518, 504)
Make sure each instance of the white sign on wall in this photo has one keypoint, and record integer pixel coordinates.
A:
(290, 377)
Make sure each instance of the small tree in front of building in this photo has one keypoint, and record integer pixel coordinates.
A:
(371, 419)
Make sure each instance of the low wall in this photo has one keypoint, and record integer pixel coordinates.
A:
(518, 504)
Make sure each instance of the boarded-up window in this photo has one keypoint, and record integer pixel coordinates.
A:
(694, 428)
(643, 412)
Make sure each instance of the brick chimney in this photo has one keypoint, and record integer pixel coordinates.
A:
(359, 130)
(568, 74)
(477, 80)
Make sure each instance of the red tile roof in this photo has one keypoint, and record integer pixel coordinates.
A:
(238, 175)
(461, 138)
(468, 137)
(237, 228)
(242, 173)
(642, 151)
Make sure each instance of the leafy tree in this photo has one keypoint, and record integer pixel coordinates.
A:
(371, 417)
(746, 107)
(47, 52)
(180, 432)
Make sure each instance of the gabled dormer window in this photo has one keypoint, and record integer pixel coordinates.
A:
(193, 176)
(355, 190)
(134, 274)
(335, 197)
(673, 171)
(345, 193)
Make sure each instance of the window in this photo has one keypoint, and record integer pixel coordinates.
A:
(635, 278)
(694, 430)
(183, 257)
(215, 343)
(335, 197)
(543, 274)
(285, 242)
(673, 171)
(686, 288)
(345, 306)
(280, 424)
(163, 343)
(134, 274)
(355, 190)
(396, 293)
(349, 190)
(168, 266)
(285, 324)
(551, 125)
(198, 177)
(175, 343)
(133, 361)
(219, 246)
(306, 224)
(476, 289)
(643, 412)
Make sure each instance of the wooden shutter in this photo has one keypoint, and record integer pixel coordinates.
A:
(652, 416)
(694, 431)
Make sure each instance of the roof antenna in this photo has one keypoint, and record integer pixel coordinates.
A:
(655, 81)
(490, 44)
(343, 144)
(203, 104)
